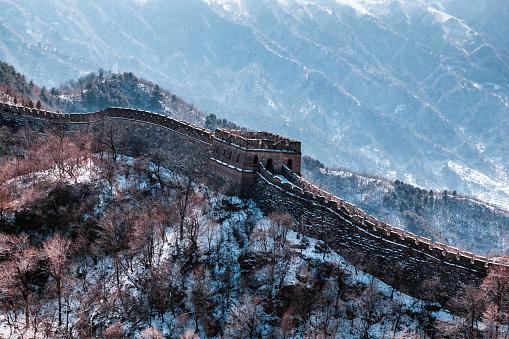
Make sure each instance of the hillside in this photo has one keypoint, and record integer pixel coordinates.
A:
(12, 81)
(101, 90)
(186, 261)
(227, 261)
(442, 216)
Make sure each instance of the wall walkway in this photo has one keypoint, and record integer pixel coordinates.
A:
(178, 126)
(401, 259)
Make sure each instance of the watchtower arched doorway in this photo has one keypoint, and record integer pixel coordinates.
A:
(270, 166)
(289, 164)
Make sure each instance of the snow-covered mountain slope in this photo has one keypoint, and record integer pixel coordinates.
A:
(415, 90)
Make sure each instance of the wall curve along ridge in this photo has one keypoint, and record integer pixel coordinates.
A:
(258, 164)
(181, 127)
(401, 259)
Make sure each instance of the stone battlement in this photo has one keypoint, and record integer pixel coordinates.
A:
(181, 127)
(258, 140)
(393, 236)
(233, 154)
(238, 153)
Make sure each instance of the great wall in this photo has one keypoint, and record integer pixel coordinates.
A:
(266, 168)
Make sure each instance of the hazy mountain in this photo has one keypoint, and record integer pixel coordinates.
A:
(415, 90)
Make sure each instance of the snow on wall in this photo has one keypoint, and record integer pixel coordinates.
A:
(400, 259)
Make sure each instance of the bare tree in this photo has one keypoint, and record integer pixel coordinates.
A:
(109, 170)
(201, 297)
(157, 158)
(56, 251)
(146, 235)
(332, 307)
(496, 288)
(18, 276)
(60, 150)
(164, 289)
(115, 228)
(279, 254)
(111, 139)
(184, 183)
(371, 309)
(245, 319)
(469, 304)
(430, 292)
(280, 224)
(192, 232)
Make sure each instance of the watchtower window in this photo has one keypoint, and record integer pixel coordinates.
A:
(217, 149)
(238, 157)
(230, 155)
(224, 153)
(255, 160)
(289, 164)
(270, 166)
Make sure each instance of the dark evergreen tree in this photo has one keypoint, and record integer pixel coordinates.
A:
(211, 121)
(44, 94)
(156, 98)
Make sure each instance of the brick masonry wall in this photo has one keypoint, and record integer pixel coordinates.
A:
(400, 259)
(240, 181)
(181, 127)
(245, 158)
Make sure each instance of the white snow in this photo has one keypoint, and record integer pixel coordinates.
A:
(476, 178)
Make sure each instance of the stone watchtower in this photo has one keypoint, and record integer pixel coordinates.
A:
(236, 156)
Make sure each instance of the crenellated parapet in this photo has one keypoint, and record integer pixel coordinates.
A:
(181, 127)
(392, 236)
(236, 155)
(232, 154)
(258, 140)
(401, 259)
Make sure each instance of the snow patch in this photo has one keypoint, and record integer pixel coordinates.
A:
(475, 177)
(400, 108)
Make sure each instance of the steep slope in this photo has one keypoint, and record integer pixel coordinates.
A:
(165, 268)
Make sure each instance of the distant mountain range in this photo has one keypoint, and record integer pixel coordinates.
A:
(416, 90)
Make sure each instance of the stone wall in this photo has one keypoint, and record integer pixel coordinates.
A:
(401, 259)
(181, 127)
(241, 181)
(258, 140)
(247, 159)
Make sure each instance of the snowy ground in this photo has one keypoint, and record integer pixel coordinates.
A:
(222, 231)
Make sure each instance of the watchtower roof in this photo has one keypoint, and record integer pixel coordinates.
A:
(261, 140)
